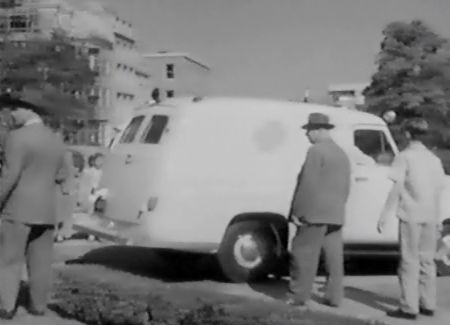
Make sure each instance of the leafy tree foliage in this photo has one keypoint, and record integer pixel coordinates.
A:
(413, 77)
(52, 67)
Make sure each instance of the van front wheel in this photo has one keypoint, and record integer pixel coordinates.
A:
(247, 252)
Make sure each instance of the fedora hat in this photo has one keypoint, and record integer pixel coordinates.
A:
(10, 101)
(318, 121)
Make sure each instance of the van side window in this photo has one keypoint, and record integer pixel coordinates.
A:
(155, 129)
(375, 144)
(130, 132)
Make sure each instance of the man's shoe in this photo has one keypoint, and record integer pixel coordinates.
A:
(329, 303)
(401, 314)
(36, 312)
(427, 312)
(7, 315)
(300, 305)
(295, 303)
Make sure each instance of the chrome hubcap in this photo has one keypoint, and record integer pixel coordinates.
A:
(246, 252)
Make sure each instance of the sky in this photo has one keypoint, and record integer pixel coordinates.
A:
(276, 48)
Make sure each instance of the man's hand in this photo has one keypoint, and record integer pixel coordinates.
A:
(381, 224)
(297, 221)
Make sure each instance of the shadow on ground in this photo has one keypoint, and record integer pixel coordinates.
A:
(163, 264)
(174, 266)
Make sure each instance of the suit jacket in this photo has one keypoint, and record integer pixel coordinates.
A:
(34, 166)
(323, 185)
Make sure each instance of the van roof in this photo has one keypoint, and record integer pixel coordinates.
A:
(338, 115)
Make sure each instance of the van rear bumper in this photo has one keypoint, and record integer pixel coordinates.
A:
(133, 234)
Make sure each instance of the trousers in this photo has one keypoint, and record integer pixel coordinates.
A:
(417, 268)
(306, 248)
(20, 243)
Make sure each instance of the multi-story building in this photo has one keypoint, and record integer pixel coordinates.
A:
(178, 74)
(348, 95)
(123, 80)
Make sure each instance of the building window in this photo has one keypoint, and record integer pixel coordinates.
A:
(141, 74)
(18, 23)
(5, 4)
(170, 93)
(106, 97)
(3, 24)
(94, 95)
(170, 71)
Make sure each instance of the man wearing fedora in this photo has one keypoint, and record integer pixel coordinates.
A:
(318, 210)
(34, 164)
(418, 178)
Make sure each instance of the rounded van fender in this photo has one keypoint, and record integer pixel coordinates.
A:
(277, 224)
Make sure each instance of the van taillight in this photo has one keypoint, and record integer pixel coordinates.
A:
(151, 203)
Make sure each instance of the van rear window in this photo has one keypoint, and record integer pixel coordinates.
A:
(155, 129)
(130, 132)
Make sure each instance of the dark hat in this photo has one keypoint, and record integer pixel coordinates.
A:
(318, 121)
(10, 101)
(416, 126)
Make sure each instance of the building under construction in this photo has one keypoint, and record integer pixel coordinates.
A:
(123, 80)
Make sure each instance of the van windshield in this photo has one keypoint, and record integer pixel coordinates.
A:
(373, 143)
(155, 129)
(130, 132)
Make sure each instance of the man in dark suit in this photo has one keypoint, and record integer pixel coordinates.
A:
(34, 164)
(318, 210)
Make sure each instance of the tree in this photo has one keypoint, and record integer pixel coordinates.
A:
(48, 66)
(413, 77)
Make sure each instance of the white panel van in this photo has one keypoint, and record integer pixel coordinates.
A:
(217, 175)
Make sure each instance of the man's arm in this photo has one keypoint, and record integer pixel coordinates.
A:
(440, 197)
(397, 176)
(309, 175)
(13, 165)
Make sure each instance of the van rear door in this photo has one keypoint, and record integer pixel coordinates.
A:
(133, 166)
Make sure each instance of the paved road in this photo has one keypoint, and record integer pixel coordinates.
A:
(368, 295)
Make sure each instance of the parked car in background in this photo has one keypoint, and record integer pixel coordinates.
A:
(217, 175)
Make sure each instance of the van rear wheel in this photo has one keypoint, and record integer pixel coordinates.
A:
(247, 252)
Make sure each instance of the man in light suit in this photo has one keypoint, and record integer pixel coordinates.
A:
(34, 164)
(418, 184)
(318, 210)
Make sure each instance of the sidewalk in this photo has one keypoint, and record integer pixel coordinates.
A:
(366, 297)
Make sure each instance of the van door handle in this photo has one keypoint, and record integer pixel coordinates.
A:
(128, 159)
(361, 179)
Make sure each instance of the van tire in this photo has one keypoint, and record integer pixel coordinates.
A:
(261, 260)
